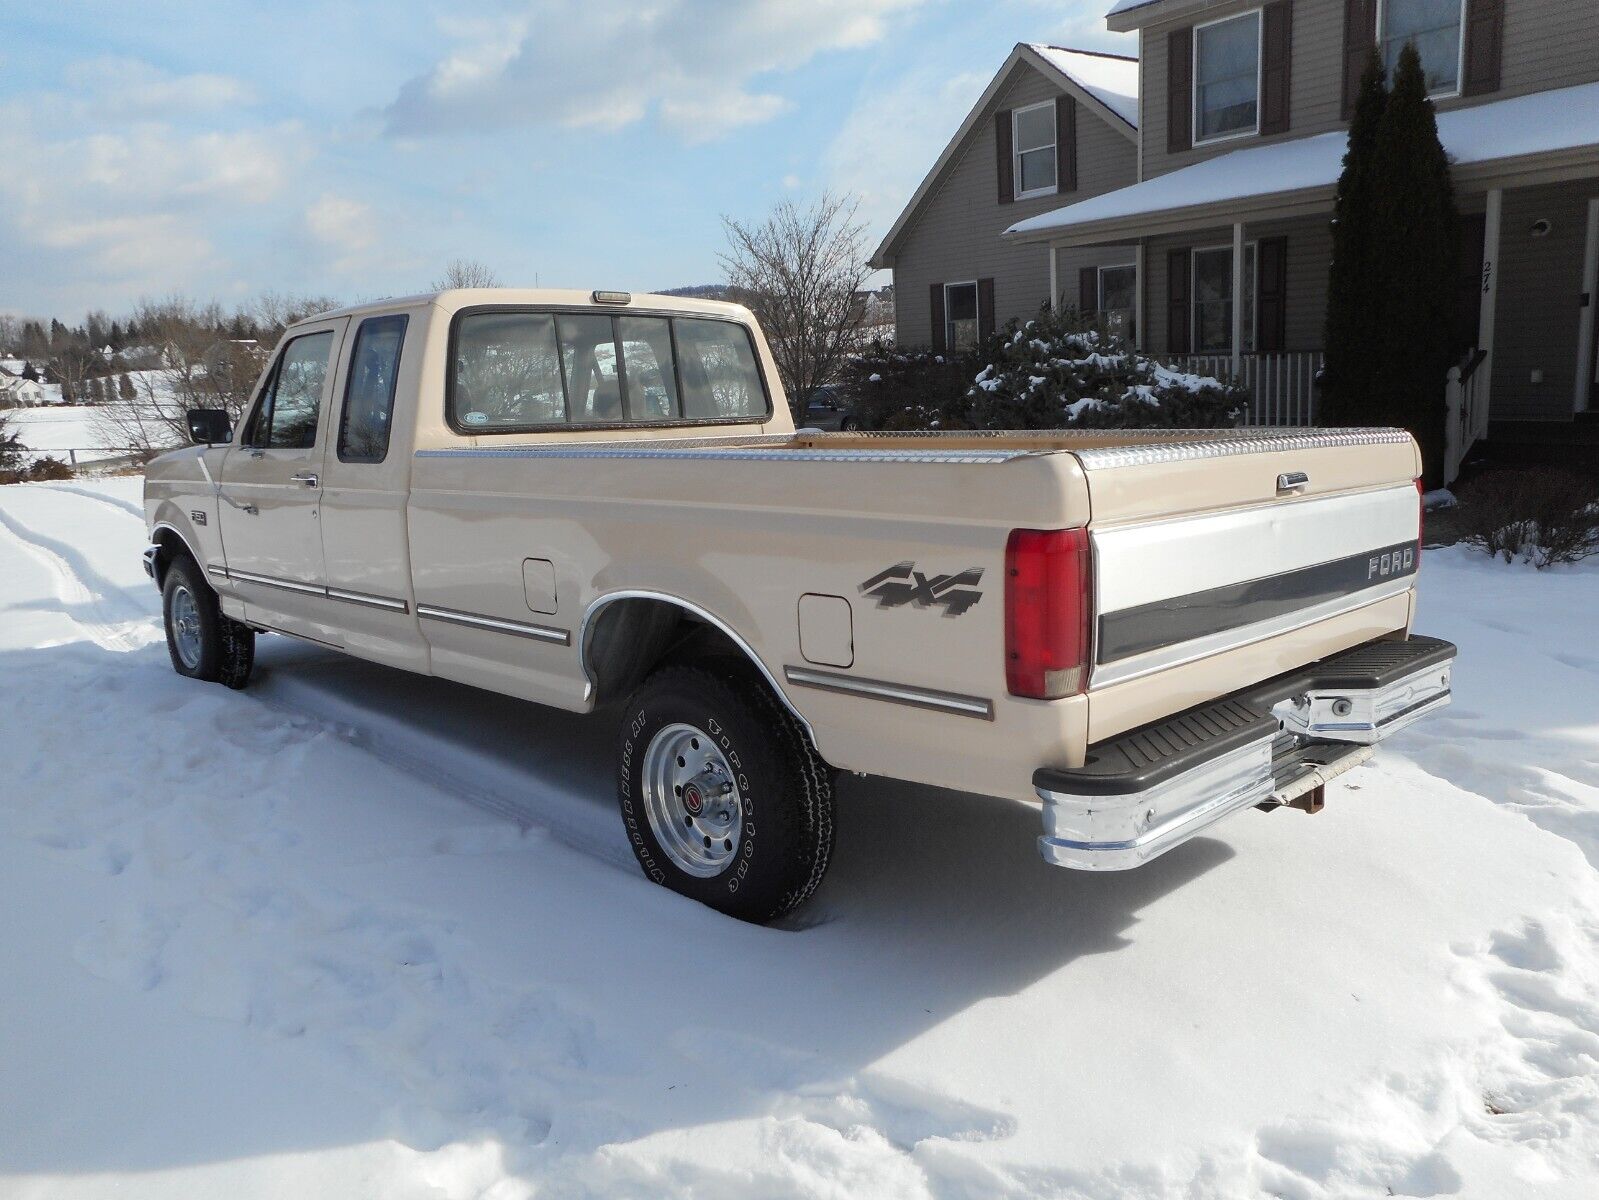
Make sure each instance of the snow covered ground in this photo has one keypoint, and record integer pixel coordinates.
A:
(353, 933)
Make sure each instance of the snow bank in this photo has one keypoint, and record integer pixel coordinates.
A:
(355, 933)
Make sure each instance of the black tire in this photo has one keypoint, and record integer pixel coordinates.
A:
(784, 789)
(847, 425)
(224, 650)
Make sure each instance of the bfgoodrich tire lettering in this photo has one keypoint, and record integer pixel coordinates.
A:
(783, 825)
(202, 642)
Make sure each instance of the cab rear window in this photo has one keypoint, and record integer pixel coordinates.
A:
(525, 370)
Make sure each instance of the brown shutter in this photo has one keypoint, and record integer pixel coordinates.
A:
(938, 316)
(1360, 35)
(1276, 54)
(985, 308)
(1485, 31)
(1065, 144)
(1179, 90)
(1088, 290)
(1271, 294)
(1002, 157)
(1177, 315)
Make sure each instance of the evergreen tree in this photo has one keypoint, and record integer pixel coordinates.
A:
(68, 395)
(125, 390)
(1418, 253)
(1352, 316)
(29, 371)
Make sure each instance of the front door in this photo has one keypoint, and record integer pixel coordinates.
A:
(270, 489)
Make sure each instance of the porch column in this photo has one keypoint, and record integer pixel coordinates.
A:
(1585, 319)
(1054, 277)
(1238, 298)
(1490, 293)
(1140, 338)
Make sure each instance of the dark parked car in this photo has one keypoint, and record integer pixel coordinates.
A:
(828, 408)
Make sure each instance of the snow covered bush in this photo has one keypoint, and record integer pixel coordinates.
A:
(1543, 517)
(1050, 373)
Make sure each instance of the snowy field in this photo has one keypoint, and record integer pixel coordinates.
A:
(352, 933)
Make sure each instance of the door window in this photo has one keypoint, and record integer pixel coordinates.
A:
(369, 390)
(650, 368)
(287, 416)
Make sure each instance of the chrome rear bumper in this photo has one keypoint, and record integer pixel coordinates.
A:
(1145, 792)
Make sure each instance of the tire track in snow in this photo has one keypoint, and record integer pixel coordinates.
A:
(125, 506)
(80, 587)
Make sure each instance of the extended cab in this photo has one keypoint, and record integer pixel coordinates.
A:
(585, 499)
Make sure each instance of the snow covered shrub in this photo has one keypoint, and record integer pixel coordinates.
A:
(1053, 373)
(1050, 373)
(910, 389)
(47, 467)
(1543, 516)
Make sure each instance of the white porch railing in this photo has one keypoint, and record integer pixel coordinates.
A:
(1281, 386)
(1467, 419)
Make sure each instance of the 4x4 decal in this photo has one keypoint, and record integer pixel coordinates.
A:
(904, 584)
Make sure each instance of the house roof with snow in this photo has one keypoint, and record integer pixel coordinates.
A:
(1525, 139)
(1106, 83)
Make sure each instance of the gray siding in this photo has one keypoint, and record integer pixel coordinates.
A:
(955, 236)
(1536, 311)
(1309, 255)
(1547, 44)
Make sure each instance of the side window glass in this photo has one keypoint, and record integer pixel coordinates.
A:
(369, 390)
(588, 353)
(296, 396)
(720, 378)
(506, 372)
(647, 364)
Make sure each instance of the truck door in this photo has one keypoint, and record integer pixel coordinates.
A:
(366, 473)
(271, 490)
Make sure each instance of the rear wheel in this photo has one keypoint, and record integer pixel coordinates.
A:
(202, 641)
(723, 798)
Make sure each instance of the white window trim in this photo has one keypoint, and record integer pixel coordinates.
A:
(949, 321)
(1193, 81)
(1251, 249)
(1016, 151)
(1460, 51)
(1122, 266)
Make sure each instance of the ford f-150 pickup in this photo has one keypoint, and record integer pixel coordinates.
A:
(599, 499)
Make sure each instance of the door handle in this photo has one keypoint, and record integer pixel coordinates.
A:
(250, 510)
(305, 479)
(1292, 481)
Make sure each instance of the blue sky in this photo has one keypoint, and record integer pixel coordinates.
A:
(352, 149)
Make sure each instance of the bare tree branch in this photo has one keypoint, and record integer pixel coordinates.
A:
(800, 271)
(465, 273)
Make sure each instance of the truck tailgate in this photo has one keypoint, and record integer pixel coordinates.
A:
(1219, 563)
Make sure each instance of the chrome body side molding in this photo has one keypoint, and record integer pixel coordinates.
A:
(894, 693)
(364, 599)
(451, 616)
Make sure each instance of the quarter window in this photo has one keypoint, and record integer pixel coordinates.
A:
(1213, 299)
(1227, 77)
(506, 372)
(369, 390)
(287, 416)
(721, 380)
(960, 315)
(1434, 26)
(1033, 134)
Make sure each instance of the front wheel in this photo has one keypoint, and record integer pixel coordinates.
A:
(723, 798)
(202, 641)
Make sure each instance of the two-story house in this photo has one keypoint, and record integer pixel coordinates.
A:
(1053, 125)
(1242, 130)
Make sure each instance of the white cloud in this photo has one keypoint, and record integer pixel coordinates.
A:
(127, 89)
(893, 137)
(583, 64)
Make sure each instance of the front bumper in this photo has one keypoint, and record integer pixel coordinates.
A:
(151, 554)
(1149, 790)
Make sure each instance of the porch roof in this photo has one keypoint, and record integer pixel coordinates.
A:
(1542, 137)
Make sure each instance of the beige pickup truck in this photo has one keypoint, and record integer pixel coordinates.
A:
(599, 499)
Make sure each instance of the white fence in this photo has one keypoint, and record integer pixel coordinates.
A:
(1281, 387)
(1467, 419)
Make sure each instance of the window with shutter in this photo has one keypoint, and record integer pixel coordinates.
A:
(1276, 56)
(1485, 33)
(1360, 35)
(1177, 314)
(1179, 88)
(1434, 26)
(1003, 156)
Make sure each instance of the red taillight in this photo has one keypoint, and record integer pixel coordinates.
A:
(1421, 519)
(1048, 610)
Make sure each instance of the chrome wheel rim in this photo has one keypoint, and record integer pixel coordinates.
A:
(692, 800)
(186, 626)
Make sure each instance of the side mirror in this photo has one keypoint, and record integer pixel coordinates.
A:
(209, 426)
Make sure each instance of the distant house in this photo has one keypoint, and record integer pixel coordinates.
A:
(1054, 125)
(17, 392)
(1240, 146)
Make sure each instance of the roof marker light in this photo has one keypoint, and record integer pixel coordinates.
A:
(613, 297)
